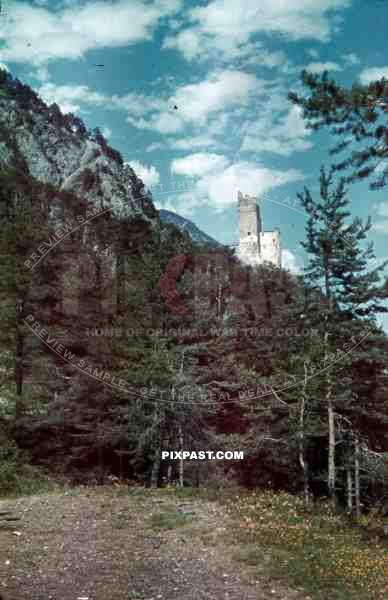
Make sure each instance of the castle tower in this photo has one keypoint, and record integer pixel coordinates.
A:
(250, 229)
(270, 250)
(255, 245)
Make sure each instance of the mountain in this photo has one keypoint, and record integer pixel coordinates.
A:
(185, 225)
(56, 149)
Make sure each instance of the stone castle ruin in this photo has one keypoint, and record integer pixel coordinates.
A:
(255, 245)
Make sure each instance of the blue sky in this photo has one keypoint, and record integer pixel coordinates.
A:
(227, 66)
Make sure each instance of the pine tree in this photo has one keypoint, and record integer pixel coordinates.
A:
(354, 293)
(356, 116)
(23, 291)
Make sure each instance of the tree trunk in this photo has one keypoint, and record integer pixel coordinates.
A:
(100, 451)
(19, 358)
(157, 451)
(155, 470)
(180, 433)
(331, 468)
(219, 301)
(169, 474)
(302, 458)
(331, 477)
(357, 476)
(349, 485)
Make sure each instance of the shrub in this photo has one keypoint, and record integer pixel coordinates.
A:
(17, 476)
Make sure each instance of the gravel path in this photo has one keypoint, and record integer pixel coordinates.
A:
(101, 545)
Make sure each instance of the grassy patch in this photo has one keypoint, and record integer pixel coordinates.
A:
(168, 518)
(17, 476)
(28, 482)
(317, 551)
(253, 555)
(211, 493)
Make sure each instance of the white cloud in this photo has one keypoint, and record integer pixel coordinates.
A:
(70, 97)
(187, 41)
(107, 132)
(381, 212)
(282, 147)
(154, 146)
(138, 105)
(264, 58)
(381, 227)
(71, 31)
(164, 123)
(199, 165)
(320, 67)
(222, 187)
(373, 74)
(225, 26)
(217, 181)
(194, 143)
(313, 53)
(205, 110)
(292, 262)
(174, 24)
(150, 176)
(184, 204)
(195, 102)
(220, 90)
(283, 136)
(195, 46)
(351, 59)
(42, 74)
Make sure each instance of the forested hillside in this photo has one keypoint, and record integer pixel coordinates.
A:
(292, 372)
(193, 300)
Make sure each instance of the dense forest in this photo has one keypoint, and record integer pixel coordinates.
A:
(309, 409)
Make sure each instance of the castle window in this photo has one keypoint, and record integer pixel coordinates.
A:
(249, 233)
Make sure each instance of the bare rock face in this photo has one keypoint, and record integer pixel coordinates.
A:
(57, 149)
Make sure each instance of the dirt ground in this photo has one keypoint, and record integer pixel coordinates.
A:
(103, 545)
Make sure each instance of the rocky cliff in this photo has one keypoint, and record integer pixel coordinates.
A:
(58, 150)
(187, 226)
